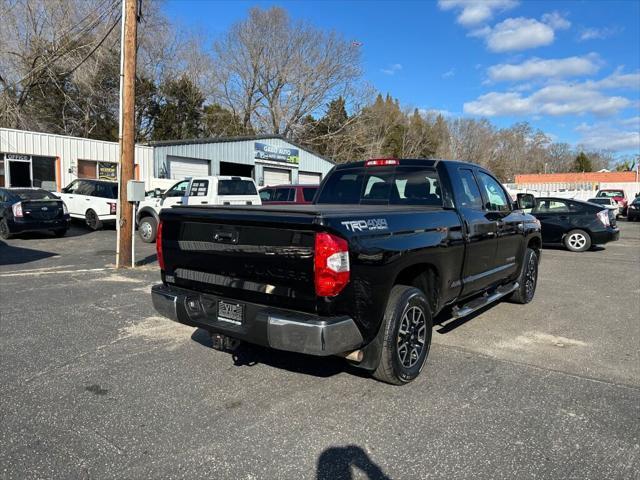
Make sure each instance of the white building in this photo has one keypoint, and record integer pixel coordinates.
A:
(53, 161)
(32, 159)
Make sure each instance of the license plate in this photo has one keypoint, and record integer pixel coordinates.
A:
(230, 312)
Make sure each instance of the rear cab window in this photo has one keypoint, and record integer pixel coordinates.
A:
(283, 195)
(236, 186)
(401, 185)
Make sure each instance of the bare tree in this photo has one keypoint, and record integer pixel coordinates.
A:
(272, 72)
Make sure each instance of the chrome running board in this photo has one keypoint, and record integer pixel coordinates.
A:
(483, 301)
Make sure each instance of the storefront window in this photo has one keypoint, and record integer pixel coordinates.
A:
(44, 172)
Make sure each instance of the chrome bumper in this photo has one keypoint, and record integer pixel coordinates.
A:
(285, 329)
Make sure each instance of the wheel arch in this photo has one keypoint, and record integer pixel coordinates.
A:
(147, 212)
(425, 277)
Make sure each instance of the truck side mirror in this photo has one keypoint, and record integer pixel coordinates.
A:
(525, 201)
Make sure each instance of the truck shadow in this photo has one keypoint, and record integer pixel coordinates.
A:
(336, 463)
(249, 355)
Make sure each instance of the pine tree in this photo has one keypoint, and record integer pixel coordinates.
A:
(582, 163)
(180, 112)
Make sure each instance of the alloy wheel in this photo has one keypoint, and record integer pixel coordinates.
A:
(577, 241)
(531, 277)
(411, 336)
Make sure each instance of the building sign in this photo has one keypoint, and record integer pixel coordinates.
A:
(107, 171)
(15, 156)
(278, 154)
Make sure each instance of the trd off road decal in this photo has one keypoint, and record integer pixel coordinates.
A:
(364, 225)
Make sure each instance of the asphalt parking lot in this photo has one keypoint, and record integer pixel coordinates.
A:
(95, 385)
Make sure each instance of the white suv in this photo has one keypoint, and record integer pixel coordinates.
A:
(220, 190)
(92, 200)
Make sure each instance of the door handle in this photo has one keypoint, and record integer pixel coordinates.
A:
(178, 203)
(204, 203)
(491, 234)
(88, 199)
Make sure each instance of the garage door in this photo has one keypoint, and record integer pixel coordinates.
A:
(308, 178)
(276, 176)
(180, 167)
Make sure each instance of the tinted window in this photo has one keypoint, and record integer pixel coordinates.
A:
(496, 200)
(395, 186)
(34, 195)
(551, 206)
(468, 194)
(85, 188)
(309, 193)
(283, 195)
(236, 187)
(106, 190)
(199, 188)
(601, 201)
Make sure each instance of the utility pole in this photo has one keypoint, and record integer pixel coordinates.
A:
(125, 224)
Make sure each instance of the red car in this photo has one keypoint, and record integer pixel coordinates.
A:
(288, 194)
(618, 195)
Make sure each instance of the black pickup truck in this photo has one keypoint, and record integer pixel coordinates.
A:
(386, 246)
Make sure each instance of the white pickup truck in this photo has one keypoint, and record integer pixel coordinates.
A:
(220, 190)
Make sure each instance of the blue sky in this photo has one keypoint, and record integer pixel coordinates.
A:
(570, 68)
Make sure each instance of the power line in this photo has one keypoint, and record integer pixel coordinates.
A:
(78, 34)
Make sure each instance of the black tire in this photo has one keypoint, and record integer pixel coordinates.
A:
(577, 241)
(147, 229)
(403, 313)
(528, 279)
(60, 232)
(4, 229)
(92, 220)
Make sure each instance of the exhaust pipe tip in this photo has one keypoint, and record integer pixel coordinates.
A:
(355, 356)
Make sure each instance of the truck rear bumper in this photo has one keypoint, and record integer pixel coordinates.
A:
(276, 328)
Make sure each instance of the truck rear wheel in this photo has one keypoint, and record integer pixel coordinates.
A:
(407, 332)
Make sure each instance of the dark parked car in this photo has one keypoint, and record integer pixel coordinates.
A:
(287, 194)
(386, 245)
(575, 224)
(31, 210)
(633, 210)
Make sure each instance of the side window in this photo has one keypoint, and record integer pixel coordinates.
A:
(496, 200)
(178, 190)
(72, 187)
(85, 188)
(265, 195)
(199, 188)
(282, 194)
(469, 194)
(308, 194)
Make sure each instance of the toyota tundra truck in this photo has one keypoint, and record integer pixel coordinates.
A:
(361, 273)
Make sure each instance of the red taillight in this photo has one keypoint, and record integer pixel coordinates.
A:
(17, 209)
(331, 264)
(381, 162)
(112, 208)
(159, 246)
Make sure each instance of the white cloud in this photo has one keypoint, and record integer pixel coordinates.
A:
(610, 137)
(560, 99)
(434, 112)
(522, 33)
(618, 80)
(516, 34)
(598, 33)
(392, 69)
(474, 12)
(449, 73)
(552, 68)
(556, 21)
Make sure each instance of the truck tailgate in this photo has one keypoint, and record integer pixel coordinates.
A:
(254, 254)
